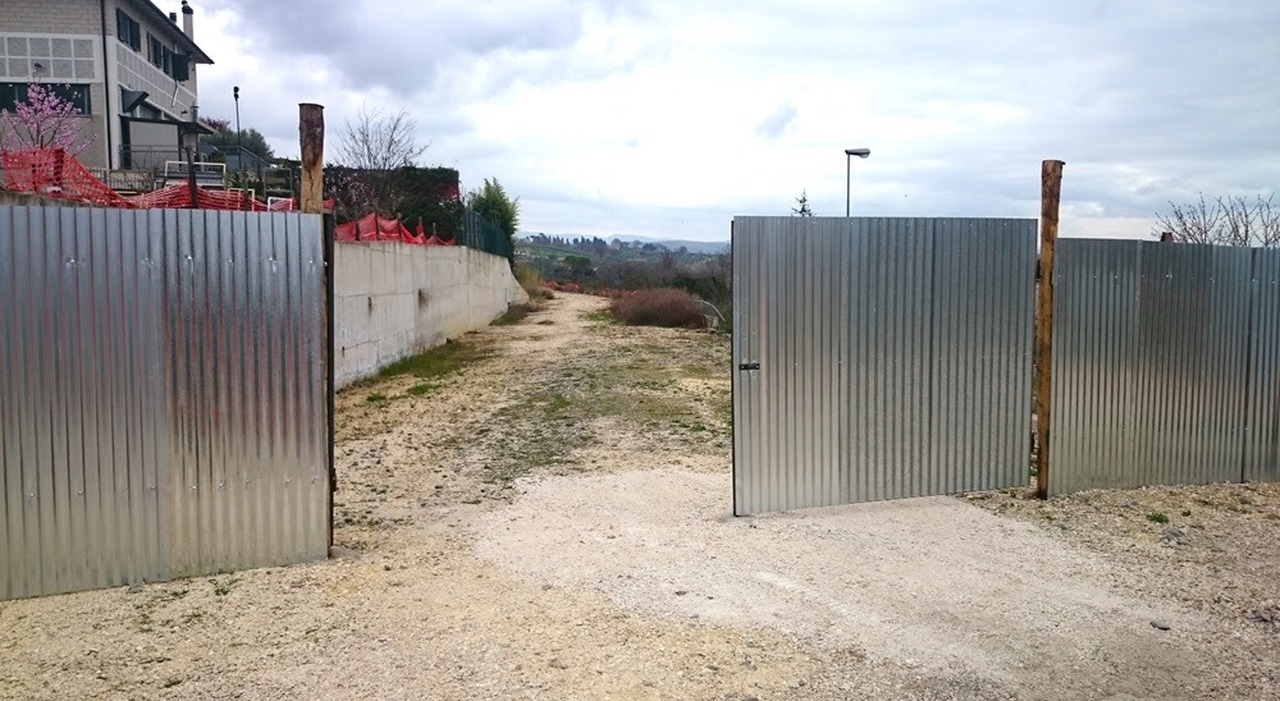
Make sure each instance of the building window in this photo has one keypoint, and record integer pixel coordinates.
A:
(61, 60)
(162, 57)
(128, 31)
(155, 51)
(13, 93)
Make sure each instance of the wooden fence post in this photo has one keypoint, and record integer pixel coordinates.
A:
(311, 134)
(311, 201)
(193, 191)
(1050, 195)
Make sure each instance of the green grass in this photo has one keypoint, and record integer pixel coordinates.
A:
(167, 595)
(603, 317)
(441, 361)
(376, 397)
(421, 388)
(1157, 517)
(515, 314)
(556, 406)
(634, 388)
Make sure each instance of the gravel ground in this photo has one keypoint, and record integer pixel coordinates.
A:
(1212, 548)
(553, 522)
(990, 606)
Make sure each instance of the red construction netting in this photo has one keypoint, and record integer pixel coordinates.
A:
(179, 197)
(432, 240)
(52, 173)
(372, 227)
(290, 204)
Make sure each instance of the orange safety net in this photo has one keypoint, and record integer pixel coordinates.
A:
(433, 240)
(290, 204)
(51, 172)
(179, 197)
(372, 227)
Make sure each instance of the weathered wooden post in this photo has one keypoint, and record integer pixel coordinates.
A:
(1050, 196)
(311, 134)
(311, 201)
(193, 190)
(59, 170)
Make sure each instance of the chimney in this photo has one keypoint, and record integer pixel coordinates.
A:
(187, 29)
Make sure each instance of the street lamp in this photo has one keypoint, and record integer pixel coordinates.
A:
(235, 92)
(849, 153)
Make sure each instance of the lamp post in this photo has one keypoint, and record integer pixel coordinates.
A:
(849, 153)
(235, 92)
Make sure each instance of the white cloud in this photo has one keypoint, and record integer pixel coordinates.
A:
(778, 121)
(665, 118)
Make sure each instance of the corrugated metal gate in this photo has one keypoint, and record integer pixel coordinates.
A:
(164, 405)
(879, 358)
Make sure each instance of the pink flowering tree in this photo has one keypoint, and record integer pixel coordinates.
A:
(44, 120)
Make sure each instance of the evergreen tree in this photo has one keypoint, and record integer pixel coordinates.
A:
(803, 209)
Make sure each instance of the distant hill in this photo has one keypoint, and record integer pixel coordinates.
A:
(709, 247)
(703, 247)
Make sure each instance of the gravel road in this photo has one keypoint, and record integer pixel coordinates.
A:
(552, 522)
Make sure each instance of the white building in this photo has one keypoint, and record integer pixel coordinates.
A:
(130, 67)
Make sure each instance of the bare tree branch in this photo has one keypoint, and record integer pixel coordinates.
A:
(1228, 221)
(1267, 216)
(375, 141)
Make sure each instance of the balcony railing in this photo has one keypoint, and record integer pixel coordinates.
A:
(146, 168)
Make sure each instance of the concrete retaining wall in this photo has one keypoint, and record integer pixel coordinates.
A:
(394, 299)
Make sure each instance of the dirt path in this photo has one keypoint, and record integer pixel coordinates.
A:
(553, 522)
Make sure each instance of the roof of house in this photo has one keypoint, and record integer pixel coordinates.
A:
(185, 42)
(197, 127)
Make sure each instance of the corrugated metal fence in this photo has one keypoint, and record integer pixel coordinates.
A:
(163, 395)
(1166, 364)
(879, 358)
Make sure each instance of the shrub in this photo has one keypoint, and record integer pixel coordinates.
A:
(660, 307)
(514, 314)
(530, 279)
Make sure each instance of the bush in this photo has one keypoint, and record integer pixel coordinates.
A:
(514, 314)
(531, 280)
(660, 307)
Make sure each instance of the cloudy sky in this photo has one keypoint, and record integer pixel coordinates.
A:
(665, 119)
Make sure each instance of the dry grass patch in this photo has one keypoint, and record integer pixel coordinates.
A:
(664, 307)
